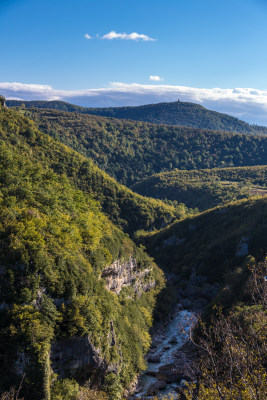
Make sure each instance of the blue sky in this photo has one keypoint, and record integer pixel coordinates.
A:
(203, 45)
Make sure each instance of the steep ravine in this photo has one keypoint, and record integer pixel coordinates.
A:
(171, 358)
(162, 374)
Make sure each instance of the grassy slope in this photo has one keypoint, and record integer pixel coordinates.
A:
(175, 113)
(205, 188)
(131, 151)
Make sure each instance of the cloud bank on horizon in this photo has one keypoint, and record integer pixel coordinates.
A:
(245, 103)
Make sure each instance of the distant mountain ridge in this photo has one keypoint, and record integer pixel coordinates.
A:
(175, 113)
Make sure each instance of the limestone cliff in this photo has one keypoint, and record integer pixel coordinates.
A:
(127, 273)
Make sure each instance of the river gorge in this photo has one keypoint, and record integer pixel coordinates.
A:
(161, 374)
(171, 360)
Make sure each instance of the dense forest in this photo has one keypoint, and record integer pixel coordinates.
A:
(127, 209)
(131, 151)
(205, 188)
(175, 113)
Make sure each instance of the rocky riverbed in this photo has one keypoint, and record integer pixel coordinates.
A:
(172, 359)
(163, 374)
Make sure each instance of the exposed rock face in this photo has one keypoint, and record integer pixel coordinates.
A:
(127, 273)
(38, 300)
(76, 357)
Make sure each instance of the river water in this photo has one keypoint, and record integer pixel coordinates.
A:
(171, 338)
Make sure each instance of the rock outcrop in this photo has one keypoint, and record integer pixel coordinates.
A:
(155, 387)
(169, 374)
(154, 359)
(127, 273)
(76, 357)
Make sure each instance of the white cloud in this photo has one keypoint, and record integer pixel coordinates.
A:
(246, 103)
(127, 36)
(87, 36)
(155, 78)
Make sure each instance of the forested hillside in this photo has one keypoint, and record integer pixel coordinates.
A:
(131, 151)
(175, 113)
(125, 208)
(205, 188)
(212, 242)
(57, 259)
